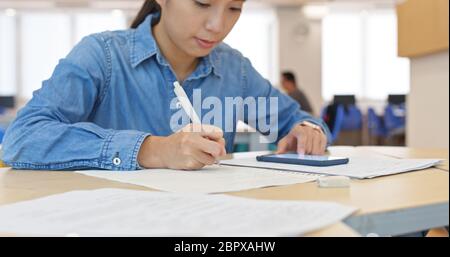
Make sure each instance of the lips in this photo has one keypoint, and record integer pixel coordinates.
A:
(205, 43)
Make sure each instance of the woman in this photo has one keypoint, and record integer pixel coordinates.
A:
(108, 104)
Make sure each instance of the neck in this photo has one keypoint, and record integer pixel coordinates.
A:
(181, 63)
(291, 89)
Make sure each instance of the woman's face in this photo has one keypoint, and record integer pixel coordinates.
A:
(197, 26)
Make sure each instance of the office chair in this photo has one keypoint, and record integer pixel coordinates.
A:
(395, 123)
(2, 134)
(396, 99)
(352, 119)
(333, 115)
(346, 100)
(375, 124)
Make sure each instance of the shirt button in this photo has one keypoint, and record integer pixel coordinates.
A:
(117, 161)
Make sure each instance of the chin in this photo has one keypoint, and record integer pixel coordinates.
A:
(200, 53)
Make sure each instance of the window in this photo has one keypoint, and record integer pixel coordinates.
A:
(8, 57)
(342, 50)
(386, 73)
(48, 36)
(360, 55)
(45, 39)
(258, 43)
(89, 23)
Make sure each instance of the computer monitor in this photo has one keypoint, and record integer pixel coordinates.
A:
(7, 101)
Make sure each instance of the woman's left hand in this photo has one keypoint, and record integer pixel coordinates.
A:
(304, 140)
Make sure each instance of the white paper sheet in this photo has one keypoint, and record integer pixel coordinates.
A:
(212, 179)
(119, 212)
(358, 166)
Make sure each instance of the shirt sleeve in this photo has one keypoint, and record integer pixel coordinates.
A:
(286, 110)
(52, 131)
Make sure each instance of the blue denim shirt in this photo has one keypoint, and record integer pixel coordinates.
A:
(116, 88)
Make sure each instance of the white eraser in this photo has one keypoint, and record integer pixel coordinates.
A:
(334, 181)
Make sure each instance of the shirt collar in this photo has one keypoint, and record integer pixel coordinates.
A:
(143, 47)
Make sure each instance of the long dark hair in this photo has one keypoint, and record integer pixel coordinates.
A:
(150, 6)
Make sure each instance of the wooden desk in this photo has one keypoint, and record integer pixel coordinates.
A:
(16, 186)
(390, 205)
(337, 230)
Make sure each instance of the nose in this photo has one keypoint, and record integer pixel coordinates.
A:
(215, 22)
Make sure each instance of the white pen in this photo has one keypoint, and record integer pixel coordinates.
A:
(187, 106)
(185, 103)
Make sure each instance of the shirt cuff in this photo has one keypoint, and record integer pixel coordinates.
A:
(121, 149)
(313, 126)
(323, 127)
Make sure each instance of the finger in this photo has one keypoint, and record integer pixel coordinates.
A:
(316, 149)
(215, 135)
(212, 132)
(309, 143)
(210, 128)
(301, 143)
(282, 146)
(204, 158)
(223, 144)
(187, 128)
(199, 128)
(323, 144)
(220, 141)
(209, 146)
(193, 164)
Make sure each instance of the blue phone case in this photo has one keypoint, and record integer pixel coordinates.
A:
(319, 163)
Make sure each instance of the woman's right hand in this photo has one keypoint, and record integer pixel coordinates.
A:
(191, 148)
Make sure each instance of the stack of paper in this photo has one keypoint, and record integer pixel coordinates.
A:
(358, 166)
(118, 212)
(212, 179)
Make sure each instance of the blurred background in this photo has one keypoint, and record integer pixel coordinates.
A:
(375, 70)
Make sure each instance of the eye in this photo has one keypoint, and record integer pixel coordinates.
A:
(202, 5)
(236, 9)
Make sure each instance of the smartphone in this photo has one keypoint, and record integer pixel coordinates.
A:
(300, 159)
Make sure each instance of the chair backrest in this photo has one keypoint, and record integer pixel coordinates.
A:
(338, 122)
(338, 119)
(345, 100)
(332, 115)
(396, 99)
(352, 119)
(375, 124)
(393, 121)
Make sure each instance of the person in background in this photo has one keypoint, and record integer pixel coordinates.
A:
(289, 84)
